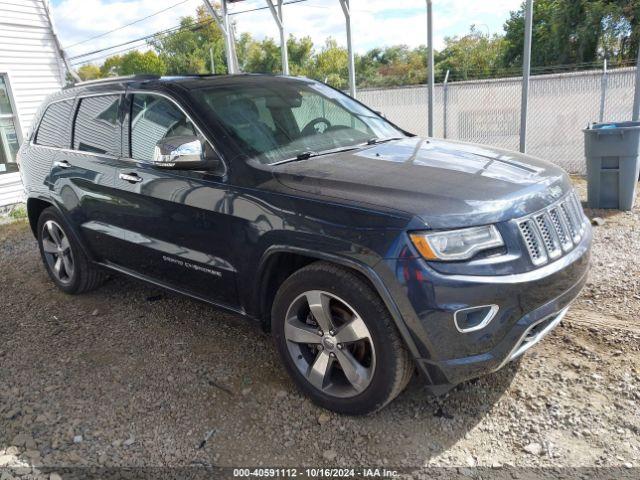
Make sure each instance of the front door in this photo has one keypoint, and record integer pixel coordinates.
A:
(174, 223)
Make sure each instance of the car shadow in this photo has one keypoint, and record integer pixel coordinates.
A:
(147, 377)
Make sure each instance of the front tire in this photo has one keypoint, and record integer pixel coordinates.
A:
(63, 258)
(338, 341)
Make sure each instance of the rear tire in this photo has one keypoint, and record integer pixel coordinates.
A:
(63, 257)
(360, 364)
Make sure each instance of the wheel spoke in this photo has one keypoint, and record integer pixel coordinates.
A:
(64, 244)
(48, 246)
(68, 265)
(54, 233)
(318, 371)
(353, 331)
(57, 267)
(297, 332)
(356, 373)
(319, 305)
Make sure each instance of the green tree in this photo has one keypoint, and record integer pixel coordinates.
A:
(188, 49)
(472, 56)
(330, 65)
(89, 72)
(572, 32)
(260, 57)
(137, 63)
(300, 54)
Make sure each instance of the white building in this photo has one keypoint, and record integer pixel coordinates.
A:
(31, 67)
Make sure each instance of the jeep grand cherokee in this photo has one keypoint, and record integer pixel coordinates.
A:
(366, 250)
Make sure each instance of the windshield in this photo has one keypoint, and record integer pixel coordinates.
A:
(277, 120)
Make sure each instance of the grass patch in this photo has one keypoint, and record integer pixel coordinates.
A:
(18, 213)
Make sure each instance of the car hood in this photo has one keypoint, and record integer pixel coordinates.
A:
(445, 184)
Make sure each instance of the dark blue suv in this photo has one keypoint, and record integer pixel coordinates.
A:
(366, 250)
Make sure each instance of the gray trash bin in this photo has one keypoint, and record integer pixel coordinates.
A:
(613, 164)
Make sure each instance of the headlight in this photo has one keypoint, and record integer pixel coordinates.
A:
(456, 244)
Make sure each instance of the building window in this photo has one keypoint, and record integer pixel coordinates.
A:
(9, 139)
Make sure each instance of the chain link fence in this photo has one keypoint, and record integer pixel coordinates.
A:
(488, 111)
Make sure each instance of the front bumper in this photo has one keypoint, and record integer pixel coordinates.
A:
(531, 305)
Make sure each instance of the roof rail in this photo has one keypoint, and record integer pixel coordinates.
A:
(127, 78)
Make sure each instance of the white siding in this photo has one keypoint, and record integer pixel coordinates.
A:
(28, 54)
(11, 190)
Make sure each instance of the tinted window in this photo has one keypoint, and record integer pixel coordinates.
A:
(96, 128)
(313, 106)
(276, 119)
(53, 128)
(152, 119)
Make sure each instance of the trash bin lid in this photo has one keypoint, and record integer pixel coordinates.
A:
(613, 125)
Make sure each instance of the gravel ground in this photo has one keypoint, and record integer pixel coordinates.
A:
(130, 375)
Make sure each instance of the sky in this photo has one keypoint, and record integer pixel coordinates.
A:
(375, 23)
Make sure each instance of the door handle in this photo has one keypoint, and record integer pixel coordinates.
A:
(61, 164)
(130, 177)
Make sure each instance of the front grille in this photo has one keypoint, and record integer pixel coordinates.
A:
(554, 230)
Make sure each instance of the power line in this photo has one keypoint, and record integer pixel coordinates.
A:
(291, 2)
(128, 24)
(174, 29)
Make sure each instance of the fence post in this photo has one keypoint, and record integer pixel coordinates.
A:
(526, 71)
(445, 95)
(603, 91)
(636, 94)
(430, 72)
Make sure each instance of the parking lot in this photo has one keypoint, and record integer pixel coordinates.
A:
(130, 375)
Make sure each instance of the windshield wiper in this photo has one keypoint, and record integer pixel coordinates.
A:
(375, 141)
(305, 155)
(309, 154)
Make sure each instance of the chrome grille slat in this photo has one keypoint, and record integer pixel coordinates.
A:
(561, 228)
(549, 233)
(533, 242)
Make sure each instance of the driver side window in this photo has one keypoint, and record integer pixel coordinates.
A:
(154, 118)
(314, 107)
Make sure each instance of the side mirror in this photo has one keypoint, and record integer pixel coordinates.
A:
(184, 152)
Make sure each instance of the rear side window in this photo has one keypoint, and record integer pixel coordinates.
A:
(97, 128)
(53, 131)
(154, 118)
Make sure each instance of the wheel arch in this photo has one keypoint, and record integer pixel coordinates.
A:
(35, 207)
(270, 277)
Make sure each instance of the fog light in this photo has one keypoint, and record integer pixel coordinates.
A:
(474, 318)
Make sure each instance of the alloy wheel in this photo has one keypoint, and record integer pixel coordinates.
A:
(330, 344)
(57, 251)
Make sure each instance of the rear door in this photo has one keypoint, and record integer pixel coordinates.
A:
(83, 175)
(175, 223)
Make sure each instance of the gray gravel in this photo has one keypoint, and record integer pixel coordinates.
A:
(133, 376)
